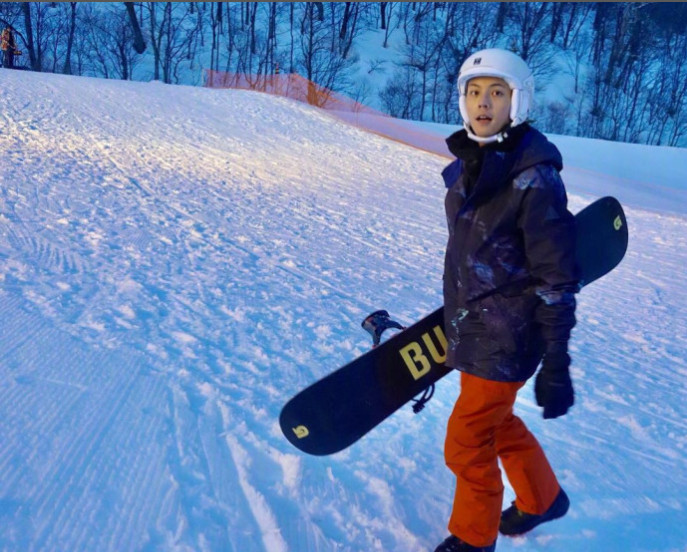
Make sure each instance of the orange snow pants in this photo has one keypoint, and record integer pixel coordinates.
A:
(481, 430)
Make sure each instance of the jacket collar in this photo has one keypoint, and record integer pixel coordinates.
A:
(492, 166)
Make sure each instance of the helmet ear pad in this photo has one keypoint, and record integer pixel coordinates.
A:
(462, 107)
(519, 106)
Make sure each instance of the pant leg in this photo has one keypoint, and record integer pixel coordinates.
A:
(471, 454)
(526, 466)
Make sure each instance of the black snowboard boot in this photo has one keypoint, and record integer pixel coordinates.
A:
(454, 544)
(517, 522)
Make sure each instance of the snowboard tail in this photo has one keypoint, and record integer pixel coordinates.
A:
(337, 410)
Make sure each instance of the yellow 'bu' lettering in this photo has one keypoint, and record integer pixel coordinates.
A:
(415, 359)
(439, 358)
(412, 355)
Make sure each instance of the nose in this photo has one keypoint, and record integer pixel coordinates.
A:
(483, 100)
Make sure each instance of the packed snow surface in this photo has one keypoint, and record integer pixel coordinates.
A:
(176, 263)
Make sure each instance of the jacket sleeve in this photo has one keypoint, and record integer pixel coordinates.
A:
(549, 234)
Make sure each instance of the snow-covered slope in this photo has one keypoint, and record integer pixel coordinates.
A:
(176, 262)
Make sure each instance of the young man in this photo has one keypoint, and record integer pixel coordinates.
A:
(509, 284)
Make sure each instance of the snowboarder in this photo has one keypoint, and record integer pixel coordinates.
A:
(8, 47)
(509, 302)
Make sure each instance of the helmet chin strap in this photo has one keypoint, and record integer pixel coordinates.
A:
(499, 137)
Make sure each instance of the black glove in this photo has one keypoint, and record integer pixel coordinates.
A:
(552, 387)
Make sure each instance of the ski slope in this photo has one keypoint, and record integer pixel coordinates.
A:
(176, 262)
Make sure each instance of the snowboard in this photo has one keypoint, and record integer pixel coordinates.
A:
(337, 410)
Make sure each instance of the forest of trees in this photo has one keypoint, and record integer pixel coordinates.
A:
(624, 63)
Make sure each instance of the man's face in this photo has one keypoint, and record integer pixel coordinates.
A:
(488, 104)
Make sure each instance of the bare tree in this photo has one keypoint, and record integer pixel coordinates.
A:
(70, 41)
(502, 16)
(529, 32)
(399, 98)
(251, 26)
(382, 12)
(28, 26)
(108, 42)
(292, 66)
(423, 54)
(666, 92)
(573, 19)
(469, 26)
(156, 34)
(271, 48)
(139, 42)
(215, 25)
(620, 57)
(171, 35)
(322, 66)
(625, 59)
(348, 26)
(389, 26)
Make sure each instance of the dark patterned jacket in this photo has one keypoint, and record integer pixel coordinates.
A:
(510, 274)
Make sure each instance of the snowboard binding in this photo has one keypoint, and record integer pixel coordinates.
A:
(377, 322)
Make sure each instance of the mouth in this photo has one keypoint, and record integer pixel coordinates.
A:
(484, 118)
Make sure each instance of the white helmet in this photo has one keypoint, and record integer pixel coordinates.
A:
(508, 66)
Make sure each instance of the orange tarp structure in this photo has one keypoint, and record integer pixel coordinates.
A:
(343, 108)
